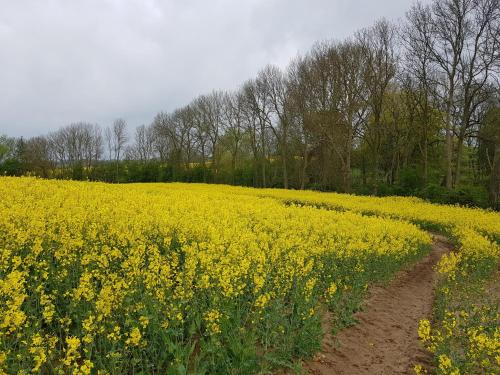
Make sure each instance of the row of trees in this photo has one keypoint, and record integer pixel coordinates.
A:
(393, 109)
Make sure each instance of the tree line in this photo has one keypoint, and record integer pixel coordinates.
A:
(412, 108)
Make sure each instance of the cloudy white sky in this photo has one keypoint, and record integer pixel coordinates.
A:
(63, 61)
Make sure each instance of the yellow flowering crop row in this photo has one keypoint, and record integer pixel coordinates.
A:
(465, 336)
(434, 216)
(173, 278)
(472, 345)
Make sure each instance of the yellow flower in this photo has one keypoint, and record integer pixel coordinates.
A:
(446, 366)
(86, 367)
(72, 350)
(212, 318)
(332, 289)
(144, 321)
(134, 337)
(262, 300)
(448, 264)
(38, 351)
(424, 330)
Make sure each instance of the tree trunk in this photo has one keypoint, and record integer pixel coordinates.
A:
(203, 162)
(233, 168)
(263, 161)
(458, 162)
(363, 169)
(215, 159)
(304, 170)
(347, 162)
(376, 159)
(460, 145)
(348, 173)
(426, 161)
(263, 169)
(494, 188)
(449, 138)
(285, 171)
(233, 162)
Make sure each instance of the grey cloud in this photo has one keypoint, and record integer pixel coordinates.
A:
(66, 61)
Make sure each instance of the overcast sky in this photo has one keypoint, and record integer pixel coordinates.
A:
(63, 61)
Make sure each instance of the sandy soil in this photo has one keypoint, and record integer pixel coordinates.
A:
(385, 340)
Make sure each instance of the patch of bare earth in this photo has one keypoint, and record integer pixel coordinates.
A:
(385, 340)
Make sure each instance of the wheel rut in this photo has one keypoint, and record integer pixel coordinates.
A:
(385, 339)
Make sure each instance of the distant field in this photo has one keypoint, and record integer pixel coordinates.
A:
(192, 278)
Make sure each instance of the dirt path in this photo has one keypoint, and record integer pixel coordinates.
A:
(385, 340)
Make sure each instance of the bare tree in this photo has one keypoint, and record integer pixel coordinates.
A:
(162, 135)
(37, 155)
(251, 120)
(185, 129)
(274, 85)
(459, 38)
(378, 48)
(257, 101)
(351, 107)
(143, 146)
(419, 77)
(334, 83)
(234, 125)
(7, 147)
(201, 129)
(117, 138)
(210, 123)
(447, 25)
(77, 146)
(298, 77)
(108, 135)
(489, 136)
(479, 59)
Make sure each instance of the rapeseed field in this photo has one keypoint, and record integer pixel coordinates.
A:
(180, 278)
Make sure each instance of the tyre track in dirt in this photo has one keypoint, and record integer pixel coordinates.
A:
(385, 339)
